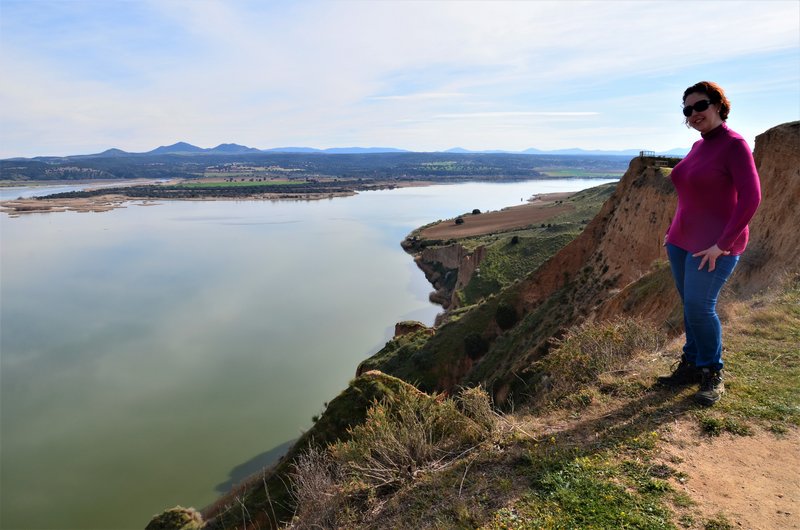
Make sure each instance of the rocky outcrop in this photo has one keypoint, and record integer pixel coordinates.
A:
(449, 268)
(408, 327)
(617, 247)
(774, 248)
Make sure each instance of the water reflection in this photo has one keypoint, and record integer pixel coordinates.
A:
(148, 351)
(266, 459)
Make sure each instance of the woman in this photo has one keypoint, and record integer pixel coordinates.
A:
(718, 193)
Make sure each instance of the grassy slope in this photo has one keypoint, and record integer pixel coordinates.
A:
(585, 458)
(410, 357)
(506, 261)
(589, 461)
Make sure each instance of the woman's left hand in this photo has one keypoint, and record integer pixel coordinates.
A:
(710, 255)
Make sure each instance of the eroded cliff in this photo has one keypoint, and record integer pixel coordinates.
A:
(615, 267)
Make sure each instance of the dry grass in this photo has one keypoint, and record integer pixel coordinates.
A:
(402, 438)
(589, 352)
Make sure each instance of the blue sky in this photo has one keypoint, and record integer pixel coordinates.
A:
(81, 76)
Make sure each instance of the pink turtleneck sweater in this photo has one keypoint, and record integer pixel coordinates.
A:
(718, 193)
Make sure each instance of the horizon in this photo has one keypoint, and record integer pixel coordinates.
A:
(347, 150)
(86, 76)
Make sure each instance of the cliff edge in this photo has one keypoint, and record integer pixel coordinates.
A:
(610, 452)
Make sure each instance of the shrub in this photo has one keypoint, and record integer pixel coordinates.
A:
(475, 345)
(315, 489)
(401, 437)
(475, 404)
(592, 349)
(505, 315)
(476, 211)
(459, 220)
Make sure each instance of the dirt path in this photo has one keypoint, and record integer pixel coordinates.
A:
(539, 210)
(753, 480)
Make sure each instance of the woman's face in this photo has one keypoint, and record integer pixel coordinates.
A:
(706, 120)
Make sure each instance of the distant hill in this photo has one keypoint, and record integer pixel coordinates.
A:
(177, 148)
(301, 150)
(113, 152)
(336, 150)
(362, 150)
(185, 149)
(234, 149)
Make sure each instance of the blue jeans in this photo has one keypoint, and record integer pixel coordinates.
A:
(699, 290)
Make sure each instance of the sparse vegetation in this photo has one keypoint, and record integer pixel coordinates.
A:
(400, 439)
(589, 351)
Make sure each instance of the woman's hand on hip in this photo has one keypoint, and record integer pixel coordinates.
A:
(710, 255)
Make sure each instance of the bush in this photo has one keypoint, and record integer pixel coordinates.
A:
(475, 345)
(476, 211)
(403, 436)
(592, 349)
(475, 404)
(315, 489)
(459, 220)
(505, 316)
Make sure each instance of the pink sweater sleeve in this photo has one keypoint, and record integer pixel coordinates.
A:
(742, 169)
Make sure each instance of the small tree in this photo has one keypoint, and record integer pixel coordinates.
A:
(505, 316)
(475, 345)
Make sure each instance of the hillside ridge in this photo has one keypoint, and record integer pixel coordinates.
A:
(614, 426)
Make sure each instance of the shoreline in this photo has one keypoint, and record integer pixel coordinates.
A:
(94, 200)
(103, 202)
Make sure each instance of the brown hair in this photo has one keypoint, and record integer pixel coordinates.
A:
(715, 95)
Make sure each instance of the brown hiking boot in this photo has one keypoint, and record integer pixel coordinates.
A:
(711, 387)
(685, 373)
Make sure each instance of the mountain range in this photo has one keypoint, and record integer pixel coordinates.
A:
(184, 148)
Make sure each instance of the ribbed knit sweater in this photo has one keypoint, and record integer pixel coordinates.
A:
(718, 193)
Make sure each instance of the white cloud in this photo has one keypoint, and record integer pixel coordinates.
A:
(338, 73)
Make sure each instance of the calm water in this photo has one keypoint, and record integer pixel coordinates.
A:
(153, 355)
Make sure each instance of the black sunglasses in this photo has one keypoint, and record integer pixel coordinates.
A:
(700, 106)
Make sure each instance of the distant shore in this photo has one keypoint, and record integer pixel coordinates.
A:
(102, 197)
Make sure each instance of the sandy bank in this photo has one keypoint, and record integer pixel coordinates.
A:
(103, 203)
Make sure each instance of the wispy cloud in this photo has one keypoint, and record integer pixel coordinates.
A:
(513, 114)
(419, 96)
(90, 74)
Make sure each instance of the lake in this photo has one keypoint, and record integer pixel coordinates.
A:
(155, 355)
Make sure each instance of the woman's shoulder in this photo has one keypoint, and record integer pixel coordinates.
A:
(733, 135)
(734, 141)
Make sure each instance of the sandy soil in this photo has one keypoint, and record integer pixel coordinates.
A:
(102, 203)
(753, 480)
(510, 218)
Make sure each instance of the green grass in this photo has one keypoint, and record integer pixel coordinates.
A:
(762, 357)
(587, 492)
(506, 261)
(515, 254)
